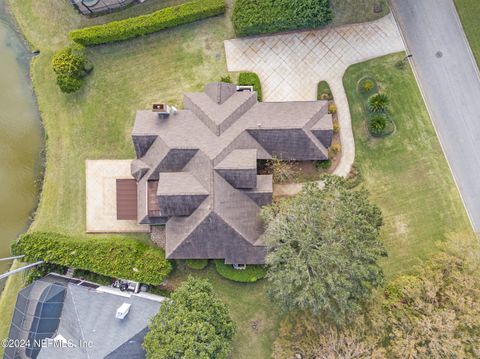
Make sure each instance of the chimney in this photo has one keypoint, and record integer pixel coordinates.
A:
(123, 310)
(163, 110)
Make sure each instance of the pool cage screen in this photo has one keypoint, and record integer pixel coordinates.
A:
(36, 317)
(93, 7)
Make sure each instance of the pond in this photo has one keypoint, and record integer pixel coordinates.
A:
(20, 137)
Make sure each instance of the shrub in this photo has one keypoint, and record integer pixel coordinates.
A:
(324, 165)
(252, 17)
(69, 84)
(282, 171)
(70, 61)
(401, 64)
(378, 102)
(336, 128)
(323, 91)
(93, 277)
(71, 66)
(226, 79)
(377, 124)
(197, 263)
(193, 324)
(251, 79)
(113, 257)
(334, 149)
(42, 270)
(250, 274)
(367, 85)
(146, 24)
(332, 108)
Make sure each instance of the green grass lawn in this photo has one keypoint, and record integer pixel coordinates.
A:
(469, 11)
(406, 173)
(356, 11)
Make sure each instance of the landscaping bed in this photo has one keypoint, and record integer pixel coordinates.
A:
(250, 274)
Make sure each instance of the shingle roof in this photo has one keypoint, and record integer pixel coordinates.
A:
(213, 192)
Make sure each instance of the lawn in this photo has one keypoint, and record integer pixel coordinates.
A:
(469, 11)
(406, 173)
(356, 11)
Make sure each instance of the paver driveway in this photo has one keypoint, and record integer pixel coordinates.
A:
(291, 65)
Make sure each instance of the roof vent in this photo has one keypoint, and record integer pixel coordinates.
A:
(163, 109)
(123, 310)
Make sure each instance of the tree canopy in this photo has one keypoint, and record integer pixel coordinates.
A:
(431, 313)
(193, 324)
(323, 246)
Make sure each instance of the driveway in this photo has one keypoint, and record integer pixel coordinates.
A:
(291, 65)
(448, 77)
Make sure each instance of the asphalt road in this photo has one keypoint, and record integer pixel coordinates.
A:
(450, 82)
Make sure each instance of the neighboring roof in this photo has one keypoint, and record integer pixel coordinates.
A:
(87, 315)
(210, 197)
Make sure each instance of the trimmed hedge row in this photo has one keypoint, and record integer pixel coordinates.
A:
(251, 79)
(113, 257)
(251, 17)
(147, 24)
(248, 275)
(197, 264)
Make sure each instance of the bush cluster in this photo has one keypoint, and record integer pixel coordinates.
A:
(197, 264)
(323, 91)
(147, 24)
(71, 66)
(377, 124)
(378, 102)
(251, 79)
(113, 257)
(367, 85)
(248, 275)
(251, 17)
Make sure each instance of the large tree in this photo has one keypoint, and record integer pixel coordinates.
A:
(323, 247)
(192, 324)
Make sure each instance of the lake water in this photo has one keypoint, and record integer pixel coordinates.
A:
(20, 137)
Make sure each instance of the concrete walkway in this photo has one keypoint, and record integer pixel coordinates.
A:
(291, 65)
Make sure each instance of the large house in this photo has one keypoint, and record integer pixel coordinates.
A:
(196, 168)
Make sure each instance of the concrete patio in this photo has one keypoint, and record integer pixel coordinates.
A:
(101, 176)
(291, 65)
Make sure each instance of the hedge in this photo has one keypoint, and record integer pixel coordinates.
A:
(251, 17)
(113, 257)
(248, 275)
(251, 79)
(197, 264)
(146, 24)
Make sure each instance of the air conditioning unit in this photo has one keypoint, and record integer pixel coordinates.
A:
(123, 310)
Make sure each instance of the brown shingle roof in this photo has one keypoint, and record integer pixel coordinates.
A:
(204, 157)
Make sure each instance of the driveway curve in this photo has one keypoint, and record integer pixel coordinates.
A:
(290, 65)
